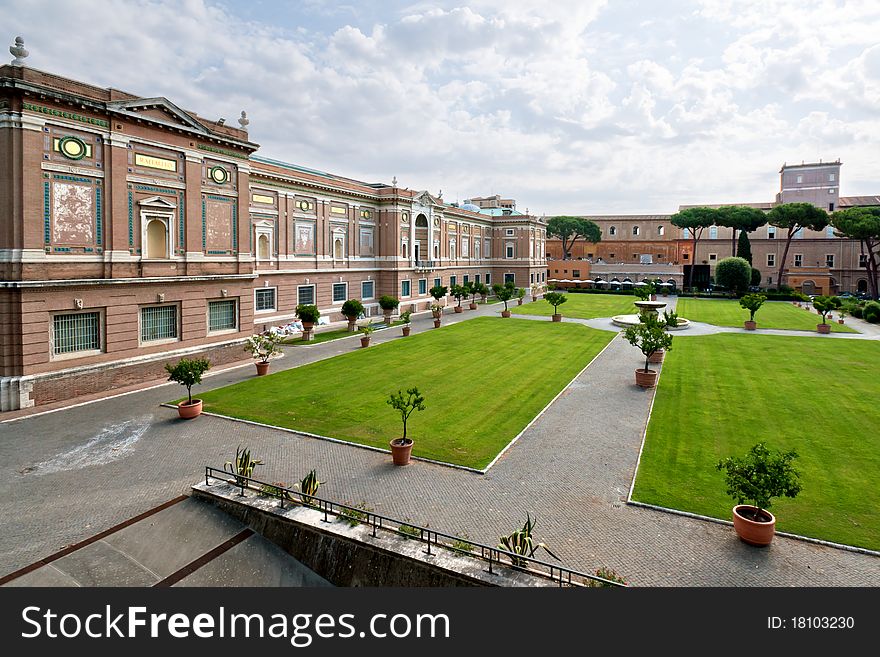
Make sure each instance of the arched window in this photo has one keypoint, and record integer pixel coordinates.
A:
(635, 230)
(421, 221)
(660, 230)
(338, 249)
(263, 252)
(157, 239)
(612, 230)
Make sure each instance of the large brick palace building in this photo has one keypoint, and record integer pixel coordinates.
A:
(134, 232)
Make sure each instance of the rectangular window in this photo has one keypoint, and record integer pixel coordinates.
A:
(477, 279)
(488, 278)
(509, 232)
(686, 233)
(829, 260)
(829, 231)
(830, 177)
(831, 207)
(713, 256)
(368, 289)
(76, 332)
(771, 232)
(452, 281)
(798, 259)
(404, 288)
(438, 282)
(799, 179)
(158, 323)
(465, 279)
(576, 273)
(464, 247)
(508, 251)
(509, 278)
(222, 315)
(305, 295)
(771, 259)
(713, 232)
(340, 292)
(863, 260)
(542, 277)
(831, 191)
(423, 286)
(531, 278)
(264, 299)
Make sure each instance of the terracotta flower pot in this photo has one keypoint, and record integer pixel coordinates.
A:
(437, 323)
(557, 318)
(308, 326)
(505, 313)
(646, 378)
(823, 328)
(472, 306)
(262, 368)
(405, 329)
(400, 453)
(519, 302)
(750, 325)
(657, 357)
(840, 321)
(188, 411)
(365, 341)
(754, 532)
(459, 309)
(653, 297)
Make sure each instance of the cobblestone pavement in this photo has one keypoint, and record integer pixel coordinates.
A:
(69, 474)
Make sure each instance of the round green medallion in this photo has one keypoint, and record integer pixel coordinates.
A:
(219, 175)
(72, 148)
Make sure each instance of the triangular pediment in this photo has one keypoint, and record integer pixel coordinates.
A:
(157, 203)
(159, 109)
(425, 199)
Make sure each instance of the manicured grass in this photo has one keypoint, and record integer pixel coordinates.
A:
(583, 306)
(720, 394)
(772, 315)
(483, 381)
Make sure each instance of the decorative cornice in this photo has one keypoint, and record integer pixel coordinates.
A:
(222, 151)
(65, 115)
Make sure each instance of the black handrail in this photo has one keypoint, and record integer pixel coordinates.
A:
(492, 555)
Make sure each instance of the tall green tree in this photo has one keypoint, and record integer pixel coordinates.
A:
(863, 224)
(695, 220)
(733, 273)
(794, 217)
(744, 246)
(740, 218)
(571, 229)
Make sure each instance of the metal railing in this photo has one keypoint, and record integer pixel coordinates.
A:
(432, 538)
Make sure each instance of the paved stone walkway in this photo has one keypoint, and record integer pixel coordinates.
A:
(69, 474)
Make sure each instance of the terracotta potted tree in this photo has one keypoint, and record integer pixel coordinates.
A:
(459, 293)
(503, 293)
(841, 313)
(752, 303)
(471, 289)
(406, 405)
(483, 290)
(438, 292)
(308, 314)
(753, 481)
(405, 318)
(536, 291)
(366, 332)
(649, 336)
(263, 346)
(437, 312)
(352, 309)
(556, 299)
(389, 305)
(188, 373)
(520, 295)
(668, 321)
(824, 305)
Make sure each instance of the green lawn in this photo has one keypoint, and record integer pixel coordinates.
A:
(483, 381)
(720, 394)
(772, 315)
(583, 306)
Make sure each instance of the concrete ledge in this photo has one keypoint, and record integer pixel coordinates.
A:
(352, 556)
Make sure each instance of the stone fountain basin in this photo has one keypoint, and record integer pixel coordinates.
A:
(650, 305)
(633, 320)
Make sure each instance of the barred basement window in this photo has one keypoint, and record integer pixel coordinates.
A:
(340, 292)
(305, 295)
(367, 289)
(76, 332)
(222, 315)
(264, 299)
(158, 323)
(404, 288)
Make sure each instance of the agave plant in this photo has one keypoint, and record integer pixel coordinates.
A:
(308, 487)
(243, 466)
(521, 543)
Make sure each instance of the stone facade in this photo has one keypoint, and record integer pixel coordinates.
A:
(135, 232)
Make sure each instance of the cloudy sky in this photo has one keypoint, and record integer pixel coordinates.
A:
(569, 107)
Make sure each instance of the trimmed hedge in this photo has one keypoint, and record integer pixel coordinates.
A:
(871, 312)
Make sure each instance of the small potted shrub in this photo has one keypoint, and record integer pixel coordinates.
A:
(366, 332)
(405, 318)
(536, 291)
(556, 299)
(520, 295)
(263, 346)
(188, 372)
(459, 293)
(841, 313)
(352, 309)
(406, 405)
(649, 336)
(824, 305)
(668, 321)
(503, 293)
(242, 467)
(520, 544)
(483, 290)
(437, 312)
(752, 481)
(752, 303)
(438, 292)
(308, 314)
(389, 305)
